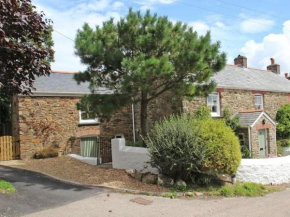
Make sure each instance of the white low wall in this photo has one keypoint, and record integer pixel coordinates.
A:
(126, 157)
(265, 171)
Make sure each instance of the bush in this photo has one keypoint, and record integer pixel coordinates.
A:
(46, 153)
(283, 120)
(182, 147)
(139, 143)
(202, 113)
(232, 122)
(223, 148)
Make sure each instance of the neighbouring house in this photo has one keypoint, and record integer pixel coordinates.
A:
(50, 117)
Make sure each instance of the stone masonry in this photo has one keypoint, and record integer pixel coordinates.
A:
(45, 121)
(271, 137)
(237, 100)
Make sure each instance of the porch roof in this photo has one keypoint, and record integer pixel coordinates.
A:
(249, 117)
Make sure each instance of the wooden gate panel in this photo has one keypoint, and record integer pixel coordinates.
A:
(9, 148)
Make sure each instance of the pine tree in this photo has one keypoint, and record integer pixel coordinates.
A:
(141, 57)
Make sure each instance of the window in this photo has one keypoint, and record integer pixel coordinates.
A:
(87, 118)
(89, 147)
(242, 139)
(259, 101)
(213, 102)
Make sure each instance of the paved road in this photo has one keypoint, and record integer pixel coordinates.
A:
(36, 192)
(119, 205)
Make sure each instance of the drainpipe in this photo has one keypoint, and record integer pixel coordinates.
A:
(133, 120)
(250, 142)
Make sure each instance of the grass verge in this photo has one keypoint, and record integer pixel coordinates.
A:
(238, 189)
(6, 187)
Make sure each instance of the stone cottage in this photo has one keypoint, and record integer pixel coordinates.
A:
(50, 117)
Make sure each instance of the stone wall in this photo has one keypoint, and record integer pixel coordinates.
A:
(237, 100)
(45, 121)
(265, 171)
(158, 108)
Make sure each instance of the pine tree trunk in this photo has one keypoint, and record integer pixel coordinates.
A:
(144, 107)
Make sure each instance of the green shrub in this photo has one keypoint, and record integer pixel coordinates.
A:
(283, 120)
(202, 113)
(46, 153)
(232, 122)
(227, 191)
(246, 153)
(280, 150)
(182, 147)
(139, 143)
(223, 153)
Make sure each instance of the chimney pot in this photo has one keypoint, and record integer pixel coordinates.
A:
(274, 67)
(241, 61)
(272, 61)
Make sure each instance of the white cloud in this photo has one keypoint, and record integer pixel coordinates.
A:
(256, 25)
(69, 21)
(272, 45)
(199, 26)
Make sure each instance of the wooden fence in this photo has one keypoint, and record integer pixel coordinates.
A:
(9, 148)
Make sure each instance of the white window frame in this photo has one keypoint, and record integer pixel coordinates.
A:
(262, 101)
(218, 113)
(87, 121)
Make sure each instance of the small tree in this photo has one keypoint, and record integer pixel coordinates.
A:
(141, 57)
(283, 120)
(25, 46)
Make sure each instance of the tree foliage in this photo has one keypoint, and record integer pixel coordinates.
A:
(143, 56)
(183, 147)
(25, 46)
(283, 120)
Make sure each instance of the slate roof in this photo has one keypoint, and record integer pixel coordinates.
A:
(234, 77)
(247, 119)
(63, 82)
(231, 77)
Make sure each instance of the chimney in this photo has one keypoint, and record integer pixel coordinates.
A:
(274, 67)
(241, 61)
(287, 76)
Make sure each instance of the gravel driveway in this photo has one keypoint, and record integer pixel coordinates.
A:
(36, 192)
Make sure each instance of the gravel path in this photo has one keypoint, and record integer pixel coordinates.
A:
(70, 169)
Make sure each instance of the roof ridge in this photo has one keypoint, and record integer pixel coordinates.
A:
(249, 67)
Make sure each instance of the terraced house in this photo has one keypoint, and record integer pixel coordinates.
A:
(50, 117)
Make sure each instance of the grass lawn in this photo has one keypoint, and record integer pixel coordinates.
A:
(6, 187)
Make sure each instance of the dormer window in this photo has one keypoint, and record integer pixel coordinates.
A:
(213, 102)
(259, 101)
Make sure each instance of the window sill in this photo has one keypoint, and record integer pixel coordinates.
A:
(89, 124)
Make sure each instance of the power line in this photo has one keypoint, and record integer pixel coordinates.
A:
(250, 9)
(232, 16)
(63, 35)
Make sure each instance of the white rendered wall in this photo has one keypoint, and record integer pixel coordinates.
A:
(265, 171)
(126, 157)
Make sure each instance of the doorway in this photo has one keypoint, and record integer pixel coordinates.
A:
(262, 143)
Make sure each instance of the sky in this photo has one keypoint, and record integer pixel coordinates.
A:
(259, 30)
